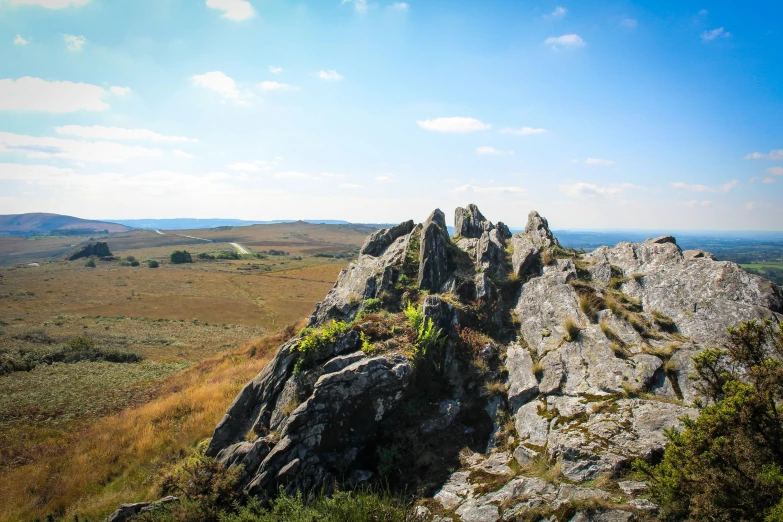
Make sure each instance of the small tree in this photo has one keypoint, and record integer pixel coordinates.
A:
(728, 463)
(180, 256)
(152, 263)
(90, 263)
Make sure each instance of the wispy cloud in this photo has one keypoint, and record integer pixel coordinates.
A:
(293, 174)
(350, 186)
(82, 151)
(252, 166)
(73, 42)
(277, 86)
(565, 41)
(455, 124)
(598, 161)
(695, 203)
(51, 4)
(775, 171)
(120, 91)
(726, 187)
(589, 190)
(492, 151)
(218, 82)
(20, 41)
(629, 23)
(359, 5)
(775, 155)
(399, 6)
(117, 133)
(236, 10)
(181, 154)
(558, 13)
(383, 179)
(753, 205)
(488, 190)
(330, 76)
(35, 94)
(524, 131)
(275, 70)
(708, 36)
(769, 180)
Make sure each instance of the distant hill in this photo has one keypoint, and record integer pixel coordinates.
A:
(193, 223)
(40, 223)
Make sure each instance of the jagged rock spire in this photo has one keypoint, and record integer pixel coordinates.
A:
(433, 264)
(470, 222)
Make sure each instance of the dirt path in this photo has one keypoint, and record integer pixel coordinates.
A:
(240, 248)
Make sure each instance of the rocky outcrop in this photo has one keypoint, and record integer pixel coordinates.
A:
(99, 249)
(548, 357)
(129, 511)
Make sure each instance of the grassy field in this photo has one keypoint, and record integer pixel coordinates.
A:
(757, 266)
(86, 430)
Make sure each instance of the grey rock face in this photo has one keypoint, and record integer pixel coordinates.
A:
(370, 275)
(433, 264)
(128, 511)
(537, 229)
(470, 222)
(588, 389)
(377, 243)
(99, 249)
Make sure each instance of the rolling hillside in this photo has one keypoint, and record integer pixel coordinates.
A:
(41, 223)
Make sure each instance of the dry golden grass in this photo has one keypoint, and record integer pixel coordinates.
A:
(119, 458)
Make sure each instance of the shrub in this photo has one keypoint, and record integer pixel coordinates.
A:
(204, 255)
(90, 263)
(134, 263)
(414, 315)
(428, 337)
(311, 348)
(152, 263)
(572, 330)
(130, 259)
(372, 305)
(180, 256)
(727, 464)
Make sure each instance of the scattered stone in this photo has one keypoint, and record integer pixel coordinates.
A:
(128, 511)
(632, 487)
(99, 249)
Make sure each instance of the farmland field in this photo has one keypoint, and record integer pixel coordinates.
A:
(78, 344)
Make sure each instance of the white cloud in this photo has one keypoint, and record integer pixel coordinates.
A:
(73, 42)
(218, 82)
(752, 205)
(492, 151)
(775, 171)
(383, 179)
(708, 36)
(774, 155)
(236, 10)
(35, 94)
(565, 41)
(629, 23)
(275, 70)
(120, 91)
(307, 175)
(524, 131)
(769, 180)
(695, 203)
(181, 154)
(350, 186)
(359, 5)
(489, 190)
(20, 41)
(82, 151)
(559, 12)
(703, 12)
(252, 166)
(588, 190)
(399, 6)
(330, 76)
(726, 187)
(454, 124)
(598, 161)
(277, 86)
(51, 4)
(117, 133)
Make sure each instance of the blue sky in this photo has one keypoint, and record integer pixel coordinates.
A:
(601, 114)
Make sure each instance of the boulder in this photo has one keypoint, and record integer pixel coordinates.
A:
(99, 249)
(129, 511)
(433, 260)
(537, 229)
(470, 222)
(377, 243)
